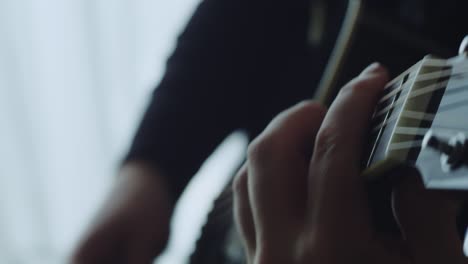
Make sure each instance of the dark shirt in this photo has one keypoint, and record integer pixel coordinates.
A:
(240, 62)
(236, 65)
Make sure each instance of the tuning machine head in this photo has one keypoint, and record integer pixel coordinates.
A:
(453, 151)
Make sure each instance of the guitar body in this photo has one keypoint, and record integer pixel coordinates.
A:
(361, 33)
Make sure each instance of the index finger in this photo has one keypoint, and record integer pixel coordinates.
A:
(336, 190)
(278, 162)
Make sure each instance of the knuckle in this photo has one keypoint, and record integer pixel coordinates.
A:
(262, 150)
(311, 106)
(239, 184)
(314, 107)
(328, 139)
(356, 86)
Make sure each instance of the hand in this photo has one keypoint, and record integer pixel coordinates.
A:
(300, 198)
(133, 226)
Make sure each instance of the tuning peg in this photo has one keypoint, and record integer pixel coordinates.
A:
(464, 47)
(438, 144)
(453, 152)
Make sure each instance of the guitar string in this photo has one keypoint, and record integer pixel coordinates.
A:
(421, 115)
(409, 83)
(412, 73)
(393, 85)
(421, 91)
(405, 145)
(393, 115)
(413, 131)
(413, 70)
(420, 78)
(405, 114)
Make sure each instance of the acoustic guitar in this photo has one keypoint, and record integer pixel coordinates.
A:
(417, 122)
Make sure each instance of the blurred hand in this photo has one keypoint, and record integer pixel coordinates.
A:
(133, 226)
(300, 198)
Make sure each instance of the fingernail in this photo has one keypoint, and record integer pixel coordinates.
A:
(372, 69)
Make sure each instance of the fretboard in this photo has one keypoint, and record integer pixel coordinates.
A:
(410, 106)
(407, 108)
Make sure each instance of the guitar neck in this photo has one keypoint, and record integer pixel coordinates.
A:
(408, 109)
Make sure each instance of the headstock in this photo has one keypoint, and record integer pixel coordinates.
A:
(442, 161)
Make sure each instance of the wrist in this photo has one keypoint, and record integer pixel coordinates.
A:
(144, 178)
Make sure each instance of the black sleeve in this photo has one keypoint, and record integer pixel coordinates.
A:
(211, 85)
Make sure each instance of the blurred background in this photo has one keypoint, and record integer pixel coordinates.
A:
(75, 77)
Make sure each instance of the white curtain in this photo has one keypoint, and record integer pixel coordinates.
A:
(74, 79)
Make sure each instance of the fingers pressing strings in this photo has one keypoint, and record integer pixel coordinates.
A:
(295, 203)
(335, 186)
(307, 116)
(278, 164)
(292, 134)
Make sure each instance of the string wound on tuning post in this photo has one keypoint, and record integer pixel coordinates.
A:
(453, 152)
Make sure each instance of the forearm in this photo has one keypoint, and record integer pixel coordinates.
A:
(135, 218)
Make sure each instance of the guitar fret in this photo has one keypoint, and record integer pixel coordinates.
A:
(381, 121)
(398, 79)
(388, 103)
(436, 62)
(394, 91)
(391, 107)
(405, 114)
(398, 93)
(428, 89)
(405, 145)
(376, 152)
(408, 109)
(424, 90)
(418, 115)
(411, 131)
